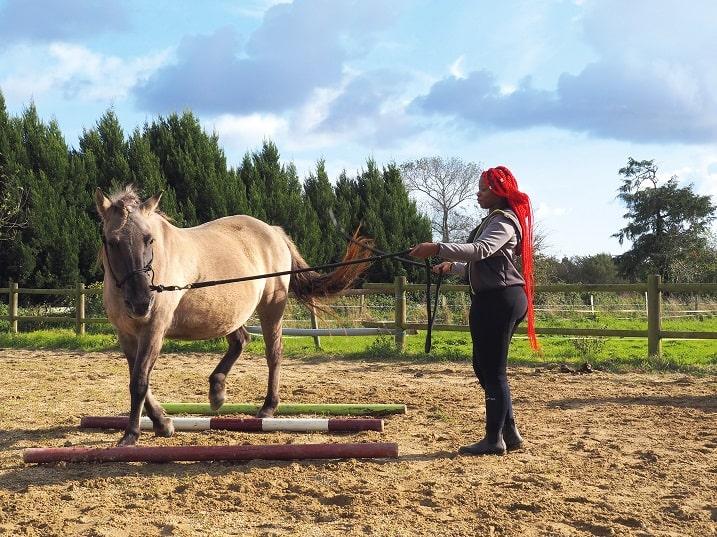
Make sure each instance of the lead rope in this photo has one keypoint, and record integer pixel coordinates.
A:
(431, 317)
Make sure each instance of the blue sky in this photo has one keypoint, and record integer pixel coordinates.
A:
(560, 91)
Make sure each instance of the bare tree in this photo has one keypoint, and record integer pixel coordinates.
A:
(447, 184)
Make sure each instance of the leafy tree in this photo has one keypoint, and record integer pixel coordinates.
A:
(598, 268)
(667, 224)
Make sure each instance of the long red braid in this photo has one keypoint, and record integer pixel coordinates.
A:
(503, 184)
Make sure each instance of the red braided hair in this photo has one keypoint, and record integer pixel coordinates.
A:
(503, 184)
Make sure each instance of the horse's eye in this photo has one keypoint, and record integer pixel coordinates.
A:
(148, 240)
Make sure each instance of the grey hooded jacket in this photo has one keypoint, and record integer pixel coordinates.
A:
(489, 262)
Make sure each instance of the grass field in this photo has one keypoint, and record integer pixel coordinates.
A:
(614, 354)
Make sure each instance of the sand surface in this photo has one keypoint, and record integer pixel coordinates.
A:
(606, 454)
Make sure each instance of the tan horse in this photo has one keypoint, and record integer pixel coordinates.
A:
(140, 244)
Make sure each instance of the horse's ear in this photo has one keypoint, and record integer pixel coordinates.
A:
(102, 202)
(150, 205)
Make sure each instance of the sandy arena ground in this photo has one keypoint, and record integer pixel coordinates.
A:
(607, 454)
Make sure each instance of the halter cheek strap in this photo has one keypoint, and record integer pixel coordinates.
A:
(119, 283)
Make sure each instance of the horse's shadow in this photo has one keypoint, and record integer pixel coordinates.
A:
(10, 437)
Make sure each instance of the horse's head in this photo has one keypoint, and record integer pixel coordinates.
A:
(128, 234)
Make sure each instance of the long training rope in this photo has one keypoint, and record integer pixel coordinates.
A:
(160, 288)
(198, 285)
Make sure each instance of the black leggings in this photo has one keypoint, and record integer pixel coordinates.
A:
(493, 318)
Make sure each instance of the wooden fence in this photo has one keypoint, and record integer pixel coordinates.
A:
(400, 326)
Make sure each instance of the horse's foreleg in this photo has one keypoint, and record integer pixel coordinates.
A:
(162, 424)
(274, 348)
(217, 380)
(147, 353)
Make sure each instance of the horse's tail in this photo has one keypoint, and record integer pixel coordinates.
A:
(311, 287)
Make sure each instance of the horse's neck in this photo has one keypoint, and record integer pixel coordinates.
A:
(175, 253)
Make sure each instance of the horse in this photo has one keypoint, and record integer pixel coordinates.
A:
(141, 244)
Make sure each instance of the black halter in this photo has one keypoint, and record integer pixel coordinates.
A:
(144, 270)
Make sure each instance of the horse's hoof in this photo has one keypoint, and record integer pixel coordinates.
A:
(129, 439)
(166, 429)
(217, 394)
(266, 412)
(217, 398)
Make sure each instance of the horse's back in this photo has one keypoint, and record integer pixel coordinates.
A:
(229, 247)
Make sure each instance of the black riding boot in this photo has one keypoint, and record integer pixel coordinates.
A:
(511, 436)
(492, 443)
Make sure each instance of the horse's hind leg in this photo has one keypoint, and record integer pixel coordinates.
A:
(161, 423)
(270, 316)
(217, 380)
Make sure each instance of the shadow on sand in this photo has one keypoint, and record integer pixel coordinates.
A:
(706, 403)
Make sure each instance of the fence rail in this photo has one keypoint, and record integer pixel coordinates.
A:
(400, 326)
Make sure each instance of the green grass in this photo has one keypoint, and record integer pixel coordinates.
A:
(614, 354)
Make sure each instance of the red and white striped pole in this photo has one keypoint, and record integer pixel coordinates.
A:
(243, 424)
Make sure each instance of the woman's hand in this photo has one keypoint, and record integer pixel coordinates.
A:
(443, 268)
(424, 250)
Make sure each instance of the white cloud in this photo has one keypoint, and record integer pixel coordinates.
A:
(77, 72)
(239, 134)
(457, 69)
(545, 210)
(254, 9)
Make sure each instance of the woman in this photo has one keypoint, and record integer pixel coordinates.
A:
(501, 296)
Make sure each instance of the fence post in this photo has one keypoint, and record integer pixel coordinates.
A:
(654, 316)
(315, 325)
(12, 309)
(400, 336)
(80, 310)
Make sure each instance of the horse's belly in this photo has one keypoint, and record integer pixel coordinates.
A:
(211, 315)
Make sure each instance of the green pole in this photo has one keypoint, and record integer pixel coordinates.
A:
(287, 409)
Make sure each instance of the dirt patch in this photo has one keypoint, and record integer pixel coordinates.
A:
(606, 454)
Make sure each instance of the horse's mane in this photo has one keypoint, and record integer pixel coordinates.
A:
(128, 198)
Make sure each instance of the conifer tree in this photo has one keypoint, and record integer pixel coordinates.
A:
(321, 199)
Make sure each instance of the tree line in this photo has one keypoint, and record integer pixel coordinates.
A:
(50, 233)
(55, 234)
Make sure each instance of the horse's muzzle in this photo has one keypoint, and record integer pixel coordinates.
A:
(138, 309)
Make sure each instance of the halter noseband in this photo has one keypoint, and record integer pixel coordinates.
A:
(144, 270)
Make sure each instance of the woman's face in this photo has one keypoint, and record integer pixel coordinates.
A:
(487, 199)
